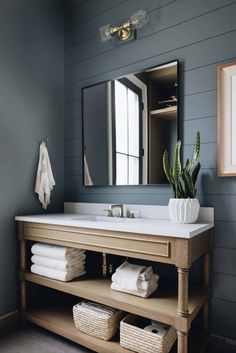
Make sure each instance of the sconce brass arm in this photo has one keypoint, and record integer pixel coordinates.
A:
(124, 31)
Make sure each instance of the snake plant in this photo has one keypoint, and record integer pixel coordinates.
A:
(183, 177)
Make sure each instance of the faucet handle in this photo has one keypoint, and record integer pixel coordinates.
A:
(120, 209)
(109, 212)
(132, 214)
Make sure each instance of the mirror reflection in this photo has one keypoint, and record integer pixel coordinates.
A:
(127, 124)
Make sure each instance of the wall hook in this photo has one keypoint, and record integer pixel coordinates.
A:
(46, 140)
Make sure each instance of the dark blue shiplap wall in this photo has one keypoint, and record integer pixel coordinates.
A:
(31, 108)
(200, 34)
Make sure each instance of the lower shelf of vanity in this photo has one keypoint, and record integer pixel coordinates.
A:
(60, 321)
(162, 306)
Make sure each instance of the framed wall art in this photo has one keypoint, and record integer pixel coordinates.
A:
(227, 119)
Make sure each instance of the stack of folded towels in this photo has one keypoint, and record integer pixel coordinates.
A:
(135, 279)
(94, 308)
(57, 262)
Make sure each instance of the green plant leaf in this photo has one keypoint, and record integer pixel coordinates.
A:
(187, 163)
(177, 168)
(195, 172)
(190, 184)
(172, 182)
(166, 167)
(181, 191)
(196, 151)
(186, 186)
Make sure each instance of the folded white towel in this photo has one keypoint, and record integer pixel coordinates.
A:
(128, 275)
(70, 271)
(44, 178)
(145, 274)
(55, 251)
(94, 308)
(56, 274)
(139, 293)
(62, 265)
(75, 270)
(141, 284)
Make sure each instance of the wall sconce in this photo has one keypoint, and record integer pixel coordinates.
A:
(137, 20)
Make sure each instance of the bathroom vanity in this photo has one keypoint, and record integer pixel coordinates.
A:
(156, 240)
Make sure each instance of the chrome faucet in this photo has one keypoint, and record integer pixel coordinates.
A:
(120, 208)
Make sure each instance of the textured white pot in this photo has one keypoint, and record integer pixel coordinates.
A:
(184, 210)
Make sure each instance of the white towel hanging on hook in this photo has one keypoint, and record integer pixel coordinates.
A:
(44, 178)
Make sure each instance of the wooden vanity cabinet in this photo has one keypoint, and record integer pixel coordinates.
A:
(177, 308)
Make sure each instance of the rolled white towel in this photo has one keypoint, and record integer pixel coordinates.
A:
(139, 293)
(141, 284)
(55, 251)
(145, 273)
(61, 265)
(56, 274)
(129, 275)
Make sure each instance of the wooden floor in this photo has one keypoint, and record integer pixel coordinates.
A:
(33, 339)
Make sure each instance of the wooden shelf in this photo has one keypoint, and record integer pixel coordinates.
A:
(167, 113)
(60, 321)
(162, 306)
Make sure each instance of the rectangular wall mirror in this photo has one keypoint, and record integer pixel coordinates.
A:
(127, 124)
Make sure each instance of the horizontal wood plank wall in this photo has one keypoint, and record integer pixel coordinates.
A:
(200, 34)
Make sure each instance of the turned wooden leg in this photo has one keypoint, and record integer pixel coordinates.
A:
(182, 342)
(206, 282)
(22, 270)
(23, 301)
(183, 292)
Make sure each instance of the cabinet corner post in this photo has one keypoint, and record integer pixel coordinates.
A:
(22, 267)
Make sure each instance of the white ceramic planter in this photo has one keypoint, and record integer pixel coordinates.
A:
(184, 210)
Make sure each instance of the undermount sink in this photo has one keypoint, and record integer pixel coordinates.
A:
(93, 218)
(85, 218)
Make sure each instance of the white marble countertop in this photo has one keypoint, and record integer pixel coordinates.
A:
(160, 227)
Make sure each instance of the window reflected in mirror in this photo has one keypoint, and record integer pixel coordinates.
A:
(127, 124)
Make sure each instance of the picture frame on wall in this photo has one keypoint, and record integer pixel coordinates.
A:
(227, 119)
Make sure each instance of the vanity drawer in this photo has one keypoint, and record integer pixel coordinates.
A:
(150, 247)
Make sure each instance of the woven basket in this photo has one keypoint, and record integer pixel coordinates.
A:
(95, 325)
(138, 340)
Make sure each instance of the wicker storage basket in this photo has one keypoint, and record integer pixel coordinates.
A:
(136, 339)
(95, 325)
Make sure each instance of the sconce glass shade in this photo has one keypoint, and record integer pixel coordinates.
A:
(139, 19)
(105, 33)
